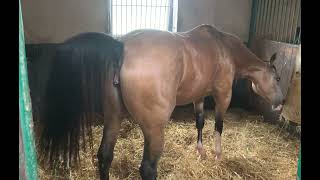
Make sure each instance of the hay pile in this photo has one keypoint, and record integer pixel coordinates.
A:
(251, 149)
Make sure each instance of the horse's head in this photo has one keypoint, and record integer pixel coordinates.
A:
(266, 84)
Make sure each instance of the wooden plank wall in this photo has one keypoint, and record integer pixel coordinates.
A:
(292, 107)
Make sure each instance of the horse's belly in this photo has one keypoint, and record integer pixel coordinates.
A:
(185, 96)
(183, 100)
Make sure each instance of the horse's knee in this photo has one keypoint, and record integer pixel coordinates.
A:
(199, 120)
(147, 171)
(218, 123)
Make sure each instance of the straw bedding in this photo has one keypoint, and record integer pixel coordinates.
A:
(251, 149)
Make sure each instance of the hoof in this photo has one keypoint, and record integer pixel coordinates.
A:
(202, 152)
(218, 157)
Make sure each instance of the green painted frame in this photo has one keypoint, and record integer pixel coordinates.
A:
(299, 165)
(27, 152)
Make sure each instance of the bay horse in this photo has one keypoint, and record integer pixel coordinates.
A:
(156, 71)
(161, 70)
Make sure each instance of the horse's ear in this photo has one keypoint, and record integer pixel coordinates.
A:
(273, 58)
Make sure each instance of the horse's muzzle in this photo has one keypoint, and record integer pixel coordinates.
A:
(278, 101)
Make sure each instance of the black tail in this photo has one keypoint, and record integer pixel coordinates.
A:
(75, 91)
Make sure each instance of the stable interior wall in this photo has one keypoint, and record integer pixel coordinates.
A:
(232, 16)
(52, 21)
(48, 21)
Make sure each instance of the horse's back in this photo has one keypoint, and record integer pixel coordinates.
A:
(150, 42)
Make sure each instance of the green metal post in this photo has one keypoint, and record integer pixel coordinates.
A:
(299, 165)
(27, 154)
(252, 28)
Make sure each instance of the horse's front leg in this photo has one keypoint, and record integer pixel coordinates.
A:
(199, 113)
(222, 101)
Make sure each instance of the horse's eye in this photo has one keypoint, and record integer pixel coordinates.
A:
(278, 78)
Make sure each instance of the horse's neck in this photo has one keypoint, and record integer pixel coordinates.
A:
(249, 65)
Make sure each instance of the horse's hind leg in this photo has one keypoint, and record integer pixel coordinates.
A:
(153, 147)
(105, 152)
(199, 113)
(152, 118)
